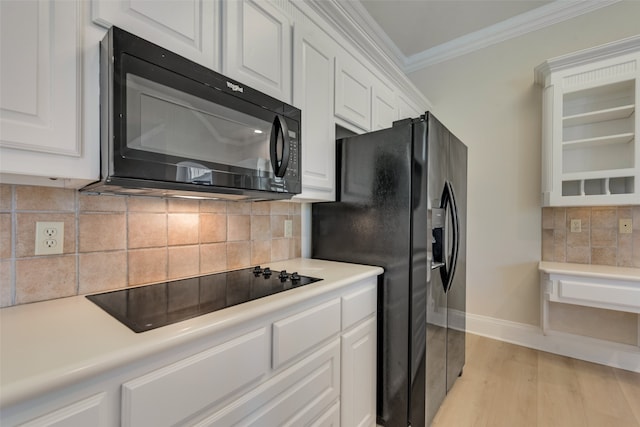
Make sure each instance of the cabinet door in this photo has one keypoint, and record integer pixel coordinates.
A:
(384, 111)
(353, 92)
(258, 47)
(87, 412)
(40, 92)
(358, 394)
(176, 392)
(407, 109)
(189, 28)
(313, 60)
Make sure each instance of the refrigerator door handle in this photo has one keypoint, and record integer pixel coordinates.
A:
(451, 201)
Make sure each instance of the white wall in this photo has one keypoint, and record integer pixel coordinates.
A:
(489, 100)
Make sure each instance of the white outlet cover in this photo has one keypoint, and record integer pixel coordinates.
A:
(49, 238)
(288, 228)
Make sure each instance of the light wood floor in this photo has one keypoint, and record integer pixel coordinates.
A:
(512, 386)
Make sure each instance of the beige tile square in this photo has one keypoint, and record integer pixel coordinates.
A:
(238, 228)
(295, 248)
(280, 208)
(6, 283)
(213, 228)
(603, 256)
(548, 253)
(45, 278)
(213, 206)
(279, 249)
(102, 271)
(147, 266)
(183, 205)
(547, 218)
(213, 258)
(26, 232)
(636, 249)
(146, 204)
(604, 237)
(559, 218)
(5, 235)
(560, 245)
(583, 214)
(297, 226)
(184, 228)
(31, 198)
(625, 250)
(625, 212)
(238, 255)
(604, 217)
(261, 208)
(579, 255)
(260, 227)
(239, 208)
(277, 226)
(101, 203)
(184, 261)
(102, 232)
(260, 252)
(636, 217)
(6, 192)
(295, 208)
(582, 238)
(147, 230)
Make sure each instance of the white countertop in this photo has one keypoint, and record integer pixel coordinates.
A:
(50, 344)
(588, 270)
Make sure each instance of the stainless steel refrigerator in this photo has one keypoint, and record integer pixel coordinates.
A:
(401, 205)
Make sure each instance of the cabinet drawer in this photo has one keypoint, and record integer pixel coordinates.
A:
(359, 305)
(614, 296)
(295, 334)
(294, 397)
(171, 394)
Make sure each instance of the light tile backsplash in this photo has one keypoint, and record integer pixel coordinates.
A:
(111, 242)
(598, 242)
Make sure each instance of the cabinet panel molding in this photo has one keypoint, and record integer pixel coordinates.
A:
(40, 79)
(187, 27)
(87, 412)
(258, 47)
(160, 397)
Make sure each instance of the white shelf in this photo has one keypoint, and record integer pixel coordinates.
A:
(623, 138)
(616, 113)
(603, 174)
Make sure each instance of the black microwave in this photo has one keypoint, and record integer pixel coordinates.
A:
(171, 127)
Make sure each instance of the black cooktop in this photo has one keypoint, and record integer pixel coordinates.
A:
(148, 307)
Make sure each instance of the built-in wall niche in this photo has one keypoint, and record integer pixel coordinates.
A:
(599, 186)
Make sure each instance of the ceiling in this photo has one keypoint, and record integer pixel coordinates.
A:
(420, 33)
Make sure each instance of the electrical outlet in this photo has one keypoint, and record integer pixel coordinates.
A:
(625, 226)
(288, 228)
(49, 238)
(576, 226)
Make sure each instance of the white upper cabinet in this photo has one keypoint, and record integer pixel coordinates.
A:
(406, 108)
(313, 62)
(40, 95)
(384, 109)
(590, 124)
(353, 91)
(187, 27)
(257, 46)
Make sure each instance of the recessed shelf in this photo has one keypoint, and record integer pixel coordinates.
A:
(617, 113)
(622, 138)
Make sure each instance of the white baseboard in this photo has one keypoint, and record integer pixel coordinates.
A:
(584, 348)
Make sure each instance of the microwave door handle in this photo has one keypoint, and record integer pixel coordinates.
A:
(280, 128)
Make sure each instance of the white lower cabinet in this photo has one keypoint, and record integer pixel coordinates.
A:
(312, 363)
(174, 393)
(86, 412)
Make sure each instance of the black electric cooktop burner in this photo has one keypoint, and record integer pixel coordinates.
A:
(148, 307)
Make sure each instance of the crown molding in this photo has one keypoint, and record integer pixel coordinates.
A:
(347, 22)
(598, 53)
(363, 26)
